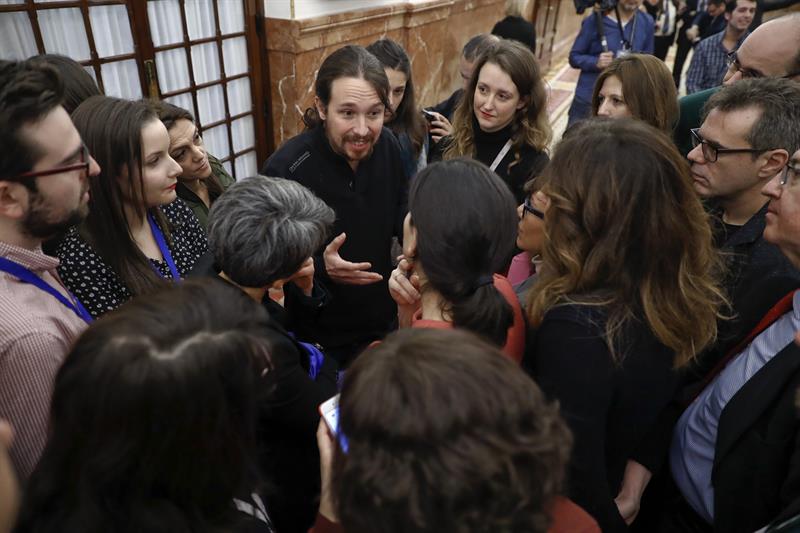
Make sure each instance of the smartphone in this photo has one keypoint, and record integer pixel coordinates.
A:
(329, 410)
(429, 115)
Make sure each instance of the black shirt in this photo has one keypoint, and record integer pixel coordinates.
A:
(514, 172)
(609, 406)
(370, 206)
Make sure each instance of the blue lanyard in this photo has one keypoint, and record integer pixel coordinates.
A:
(162, 245)
(26, 276)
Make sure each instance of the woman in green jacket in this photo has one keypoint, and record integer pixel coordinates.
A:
(203, 178)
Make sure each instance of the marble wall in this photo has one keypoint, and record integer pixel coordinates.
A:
(431, 31)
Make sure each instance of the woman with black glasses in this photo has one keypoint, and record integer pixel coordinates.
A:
(530, 235)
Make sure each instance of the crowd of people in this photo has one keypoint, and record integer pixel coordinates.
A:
(594, 337)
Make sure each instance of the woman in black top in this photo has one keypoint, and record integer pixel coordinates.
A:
(502, 119)
(152, 425)
(138, 235)
(627, 292)
(262, 233)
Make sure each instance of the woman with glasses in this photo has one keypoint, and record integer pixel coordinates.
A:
(138, 236)
(203, 178)
(530, 236)
(502, 118)
(637, 86)
(627, 293)
(447, 276)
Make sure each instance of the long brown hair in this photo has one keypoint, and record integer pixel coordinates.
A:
(530, 126)
(169, 114)
(647, 88)
(625, 230)
(408, 118)
(112, 130)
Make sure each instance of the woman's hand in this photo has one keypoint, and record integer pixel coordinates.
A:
(634, 481)
(325, 444)
(404, 288)
(304, 277)
(440, 127)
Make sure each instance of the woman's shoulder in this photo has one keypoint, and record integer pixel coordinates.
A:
(225, 179)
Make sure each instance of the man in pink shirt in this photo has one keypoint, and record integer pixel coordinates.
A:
(44, 171)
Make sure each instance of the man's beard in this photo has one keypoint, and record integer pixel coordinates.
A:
(37, 223)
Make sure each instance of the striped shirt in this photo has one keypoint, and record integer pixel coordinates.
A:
(709, 63)
(695, 436)
(36, 331)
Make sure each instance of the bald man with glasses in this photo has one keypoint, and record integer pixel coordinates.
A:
(771, 51)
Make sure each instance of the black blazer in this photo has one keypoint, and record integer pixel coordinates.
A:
(757, 457)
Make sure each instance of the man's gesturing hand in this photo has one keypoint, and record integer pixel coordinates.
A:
(342, 271)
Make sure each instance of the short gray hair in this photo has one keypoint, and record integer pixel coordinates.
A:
(262, 229)
(779, 102)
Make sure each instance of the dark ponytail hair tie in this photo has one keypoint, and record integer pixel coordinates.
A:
(483, 280)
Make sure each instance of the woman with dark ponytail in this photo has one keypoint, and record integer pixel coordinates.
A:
(460, 230)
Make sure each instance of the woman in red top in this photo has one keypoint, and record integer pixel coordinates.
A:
(460, 230)
(444, 435)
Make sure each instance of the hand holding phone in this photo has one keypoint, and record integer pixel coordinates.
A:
(329, 410)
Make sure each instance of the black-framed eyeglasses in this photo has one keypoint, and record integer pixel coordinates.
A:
(527, 206)
(83, 165)
(712, 152)
(735, 66)
(790, 173)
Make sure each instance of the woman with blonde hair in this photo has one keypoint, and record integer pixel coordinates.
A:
(638, 86)
(628, 293)
(502, 119)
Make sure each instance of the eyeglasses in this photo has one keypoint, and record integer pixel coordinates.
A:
(735, 66)
(790, 173)
(711, 152)
(83, 165)
(527, 206)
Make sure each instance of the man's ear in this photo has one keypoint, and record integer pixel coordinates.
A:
(321, 111)
(774, 161)
(14, 200)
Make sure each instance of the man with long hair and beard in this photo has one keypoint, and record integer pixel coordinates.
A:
(354, 164)
(44, 169)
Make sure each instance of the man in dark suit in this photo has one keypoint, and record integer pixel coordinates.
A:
(731, 434)
(735, 454)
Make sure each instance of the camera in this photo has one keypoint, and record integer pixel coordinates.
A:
(603, 5)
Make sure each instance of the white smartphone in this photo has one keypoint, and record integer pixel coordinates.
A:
(329, 410)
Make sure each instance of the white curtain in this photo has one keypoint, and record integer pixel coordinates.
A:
(216, 140)
(63, 32)
(231, 16)
(200, 19)
(239, 98)
(211, 104)
(205, 62)
(183, 100)
(164, 17)
(234, 53)
(243, 131)
(121, 79)
(246, 165)
(16, 35)
(111, 30)
(173, 70)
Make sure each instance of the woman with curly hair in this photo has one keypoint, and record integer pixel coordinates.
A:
(638, 86)
(628, 292)
(502, 119)
(443, 434)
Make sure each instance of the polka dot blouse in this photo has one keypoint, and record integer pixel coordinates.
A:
(97, 286)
